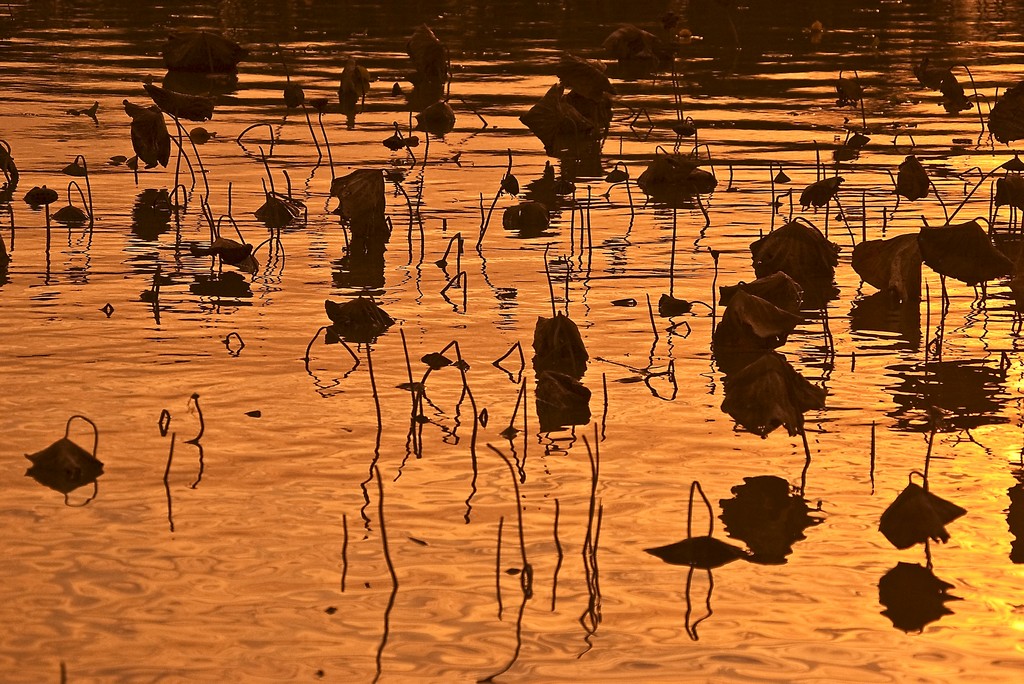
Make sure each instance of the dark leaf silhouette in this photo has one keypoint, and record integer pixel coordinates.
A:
(230, 251)
(1006, 122)
(892, 265)
(929, 75)
(355, 83)
(1010, 191)
(768, 517)
(963, 251)
(556, 123)
(279, 211)
(912, 179)
(294, 95)
(750, 327)
(358, 320)
(562, 401)
(671, 177)
(799, 250)
(558, 346)
(585, 76)
(436, 361)
(669, 306)
(631, 44)
(777, 288)
(361, 196)
(202, 52)
(40, 196)
(429, 56)
(820, 193)
(437, 119)
(703, 552)
(916, 516)
(180, 105)
(913, 596)
(70, 215)
(150, 139)
(529, 219)
(64, 466)
(769, 393)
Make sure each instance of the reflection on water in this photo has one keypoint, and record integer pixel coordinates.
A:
(518, 178)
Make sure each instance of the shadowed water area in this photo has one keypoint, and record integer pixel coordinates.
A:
(276, 505)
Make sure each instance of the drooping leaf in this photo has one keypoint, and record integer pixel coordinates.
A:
(916, 516)
(963, 251)
(180, 105)
(912, 179)
(892, 265)
(558, 346)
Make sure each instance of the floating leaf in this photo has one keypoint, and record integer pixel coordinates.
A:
(529, 219)
(703, 552)
(180, 105)
(64, 466)
(436, 361)
(358, 320)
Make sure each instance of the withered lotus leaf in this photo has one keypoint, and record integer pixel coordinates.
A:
(150, 139)
(629, 43)
(529, 218)
(562, 400)
(669, 306)
(278, 211)
(64, 466)
(799, 250)
(912, 179)
(202, 52)
(1006, 122)
(1010, 191)
(40, 196)
(891, 265)
(556, 123)
(585, 76)
(361, 194)
(752, 322)
(702, 552)
(768, 517)
(931, 76)
(230, 251)
(437, 119)
(777, 288)
(820, 193)
(769, 393)
(675, 175)
(436, 361)
(963, 251)
(954, 100)
(70, 215)
(429, 56)
(558, 346)
(294, 96)
(358, 320)
(849, 92)
(180, 105)
(355, 83)
(916, 516)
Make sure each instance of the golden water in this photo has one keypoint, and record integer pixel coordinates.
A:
(264, 558)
